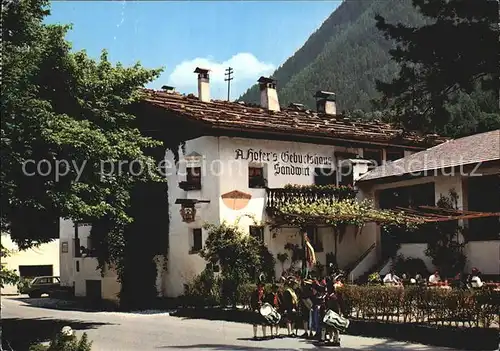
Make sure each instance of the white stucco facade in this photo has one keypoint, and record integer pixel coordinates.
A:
(224, 162)
(44, 255)
(76, 270)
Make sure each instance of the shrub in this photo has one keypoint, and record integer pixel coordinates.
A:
(240, 257)
(422, 305)
(23, 284)
(204, 290)
(65, 340)
(444, 248)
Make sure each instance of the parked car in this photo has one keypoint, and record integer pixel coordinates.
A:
(42, 285)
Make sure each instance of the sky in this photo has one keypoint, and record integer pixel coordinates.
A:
(252, 37)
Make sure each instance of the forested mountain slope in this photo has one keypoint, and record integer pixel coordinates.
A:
(345, 55)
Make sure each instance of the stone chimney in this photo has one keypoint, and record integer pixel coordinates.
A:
(325, 102)
(203, 84)
(268, 94)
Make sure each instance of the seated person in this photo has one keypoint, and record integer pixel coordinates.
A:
(458, 282)
(434, 278)
(475, 279)
(405, 280)
(392, 278)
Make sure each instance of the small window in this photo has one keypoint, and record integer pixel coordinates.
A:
(197, 240)
(193, 177)
(374, 155)
(76, 246)
(257, 232)
(394, 154)
(35, 271)
(78, 266)
(256, 177)
(345, 175)
(325, 176)
(313, 235)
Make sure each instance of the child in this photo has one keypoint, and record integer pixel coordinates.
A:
(256, 301)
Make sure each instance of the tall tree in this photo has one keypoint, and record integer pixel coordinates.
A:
(453, 56)
(69, 147)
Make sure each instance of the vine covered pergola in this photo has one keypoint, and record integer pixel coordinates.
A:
(337, 207)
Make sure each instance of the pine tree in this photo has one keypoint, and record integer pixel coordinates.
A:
(455, 54)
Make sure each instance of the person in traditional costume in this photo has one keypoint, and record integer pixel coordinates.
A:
(274, 299)
(305, 307)
(321, 309)
(318, 299)
(256, 301)
(335, 303)
(289, 305)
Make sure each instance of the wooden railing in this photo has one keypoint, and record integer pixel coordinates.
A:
(354, 264)
(277, 197)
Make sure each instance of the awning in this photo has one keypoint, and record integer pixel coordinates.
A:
(424, 214)
(430, 214)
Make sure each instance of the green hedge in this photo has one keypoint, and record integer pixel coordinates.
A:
(408, 305)
(423, 305)
(208, 292)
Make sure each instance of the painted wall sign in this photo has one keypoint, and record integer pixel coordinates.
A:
(236, 200)
(285, 162)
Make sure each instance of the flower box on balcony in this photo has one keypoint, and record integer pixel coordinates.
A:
(312, 193)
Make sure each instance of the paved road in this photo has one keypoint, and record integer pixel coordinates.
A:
(157, 331)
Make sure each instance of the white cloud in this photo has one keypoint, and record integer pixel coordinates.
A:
(246, 70)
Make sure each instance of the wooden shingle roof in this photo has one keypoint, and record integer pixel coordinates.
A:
(482, 147)
(253, 118)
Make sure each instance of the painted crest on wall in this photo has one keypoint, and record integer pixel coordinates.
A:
(236, 200)
(188, 214)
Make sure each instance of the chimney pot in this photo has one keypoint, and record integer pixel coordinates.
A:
(296, 106)
(203, 84)
(325, 102)
(168, 88)
(268, 94)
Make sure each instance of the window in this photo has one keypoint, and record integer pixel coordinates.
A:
(88, 251)
(313, 235)
(257, 232)
(374, 155)
(35, 271)
(193, 178)
(408, 197)
(483, 197)
(256, 177)
(64, 247)
(394, 154)
(325, 176)
(345, 177)
(197, 240)
(76, 247)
